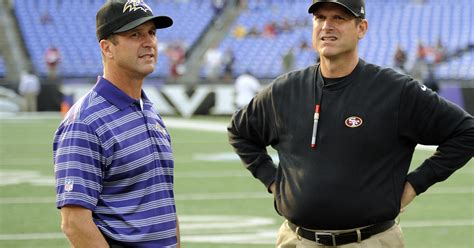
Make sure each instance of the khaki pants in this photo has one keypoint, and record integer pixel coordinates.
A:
(392, 238)
(31, 102)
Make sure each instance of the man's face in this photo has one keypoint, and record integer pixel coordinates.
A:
(335, 31)
(135, 51)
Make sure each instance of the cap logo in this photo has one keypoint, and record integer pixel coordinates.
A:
(362, 10)
(134, 5)
(353, 122)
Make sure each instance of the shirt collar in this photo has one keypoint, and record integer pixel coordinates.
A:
(115, 95)
(344, 81)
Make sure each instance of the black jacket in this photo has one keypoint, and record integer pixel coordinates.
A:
(355, 176)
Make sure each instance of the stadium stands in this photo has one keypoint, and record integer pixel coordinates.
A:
(70, 26)
(2, 67)
(391, 23)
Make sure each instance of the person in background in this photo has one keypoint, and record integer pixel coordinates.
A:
(177, 55)
(400, 59)
(419, 69)
(288, 60)
(246, 86)
(52, 58)
(29, 88)
(228, 59)
(240, 31)
(213, 63)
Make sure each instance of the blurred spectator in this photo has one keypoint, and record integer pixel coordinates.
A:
(29, 88)
(217, 6)
(270, 30)
(286, 26)
(439, 52)
(303, 22)
(242, 4)
(400, 60)
(246, 87)
(304, 46)
(46, 18)
(52, 58)
(431, 81)
(228, 60)
(240, 31)
(421, 51)
(176, 54)
(419, 70)
(213, 63)
(253, 31)
(288, 60)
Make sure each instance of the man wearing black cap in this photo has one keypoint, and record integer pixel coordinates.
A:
(345, 131)
(112, 154)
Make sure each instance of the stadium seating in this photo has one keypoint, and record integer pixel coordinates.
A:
(2, 67)
(391, 23)
(70, 26)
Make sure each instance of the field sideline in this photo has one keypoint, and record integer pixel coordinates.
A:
(219, 203)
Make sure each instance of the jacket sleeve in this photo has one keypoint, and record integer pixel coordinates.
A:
(426, 118)
(251, 130)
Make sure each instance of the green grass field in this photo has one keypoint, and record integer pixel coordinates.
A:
(219, 203)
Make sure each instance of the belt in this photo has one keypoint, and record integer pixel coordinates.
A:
(336, 238)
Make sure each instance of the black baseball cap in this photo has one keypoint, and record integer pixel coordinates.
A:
(117, 16)
(356, 7)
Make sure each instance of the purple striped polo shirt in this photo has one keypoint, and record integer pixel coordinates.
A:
(116, 160)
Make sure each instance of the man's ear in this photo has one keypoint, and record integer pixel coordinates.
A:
(106, 48)
(363, 27)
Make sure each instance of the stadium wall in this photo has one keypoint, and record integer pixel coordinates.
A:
(218, 99)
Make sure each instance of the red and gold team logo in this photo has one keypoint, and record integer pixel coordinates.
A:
(353, 121)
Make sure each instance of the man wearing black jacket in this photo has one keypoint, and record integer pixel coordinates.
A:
(345, 131)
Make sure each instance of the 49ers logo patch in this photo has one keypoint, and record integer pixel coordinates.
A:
(353, 121)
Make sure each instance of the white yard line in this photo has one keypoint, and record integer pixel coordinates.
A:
(213, 174)
(436, 223)
(221, 127)
(171, 122)
(27, 200)
(198, 125)
(451, 190)
(35, 116)
(32, 236)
